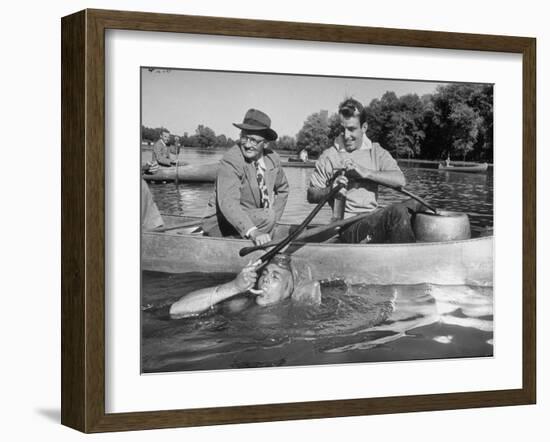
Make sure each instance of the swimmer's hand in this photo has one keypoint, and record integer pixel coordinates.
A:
(255, 291)
(247, 277)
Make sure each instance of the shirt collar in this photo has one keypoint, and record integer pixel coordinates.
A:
(366, 144)
(261, 163)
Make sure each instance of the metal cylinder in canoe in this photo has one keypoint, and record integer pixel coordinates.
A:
(443, 226)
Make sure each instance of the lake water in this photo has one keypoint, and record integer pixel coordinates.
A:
(359, 323)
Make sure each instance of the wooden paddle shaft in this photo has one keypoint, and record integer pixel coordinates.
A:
(176, 180)
(308, 233)
(267, 256)
(415, 197)
(402, 190)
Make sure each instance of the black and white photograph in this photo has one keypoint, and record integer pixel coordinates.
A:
(300, 220)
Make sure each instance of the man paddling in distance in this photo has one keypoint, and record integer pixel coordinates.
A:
(161, 151)
(251, 188)
(365, 163)
(279, 280)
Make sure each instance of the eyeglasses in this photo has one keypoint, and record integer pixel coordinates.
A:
(245, 139)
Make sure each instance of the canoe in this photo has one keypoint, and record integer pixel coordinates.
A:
(198, 173)
(293, 162)
(467, 262)
(474, 168)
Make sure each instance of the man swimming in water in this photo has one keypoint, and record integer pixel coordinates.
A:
(277, 282)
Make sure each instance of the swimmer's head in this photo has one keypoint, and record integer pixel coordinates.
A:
(276, 281)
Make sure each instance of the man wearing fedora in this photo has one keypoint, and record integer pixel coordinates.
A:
(251, 188)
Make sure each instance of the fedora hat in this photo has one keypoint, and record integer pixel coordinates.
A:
(256, 121)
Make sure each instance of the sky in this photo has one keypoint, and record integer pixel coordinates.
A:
(181, 99)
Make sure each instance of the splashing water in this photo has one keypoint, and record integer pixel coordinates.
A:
(354, 323)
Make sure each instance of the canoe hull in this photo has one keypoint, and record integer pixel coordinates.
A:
(198, 173)
(468, 262)
(297, 163)
(478, 168)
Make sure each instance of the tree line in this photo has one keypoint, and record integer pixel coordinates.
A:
(455, 121)
(203, 137)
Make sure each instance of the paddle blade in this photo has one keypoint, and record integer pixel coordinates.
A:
(247, 250)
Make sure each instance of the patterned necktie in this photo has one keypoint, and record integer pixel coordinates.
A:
(260, 177)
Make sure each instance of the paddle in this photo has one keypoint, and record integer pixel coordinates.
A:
(177, 165)
(312, 232)
(267, 256)
(411, 195)
(309, 233)
(405, 192)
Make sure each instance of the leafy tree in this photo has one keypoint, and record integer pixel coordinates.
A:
(285, 142)
(482, 102)
(150, 134)
(465, 125)
(204, 137)
(405, 136)
(334, 127)
(397, 123)
(221, 141)
(314, 134)
(461, 121)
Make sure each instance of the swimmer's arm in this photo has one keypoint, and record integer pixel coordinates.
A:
(201, 300)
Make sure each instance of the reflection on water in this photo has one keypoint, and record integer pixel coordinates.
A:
(462, 192)
(360, 323)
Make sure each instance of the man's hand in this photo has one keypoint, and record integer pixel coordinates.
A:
(151, 167)
(341, 179)
(259, 237)
(355, 170)
(246, 279)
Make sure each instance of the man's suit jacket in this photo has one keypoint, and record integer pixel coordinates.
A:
(236, 190)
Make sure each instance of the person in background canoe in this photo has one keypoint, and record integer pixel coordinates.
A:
(303, 155)
(361, 159)
(251, 188)
(161, 151)
(280, 280)
(150, 216)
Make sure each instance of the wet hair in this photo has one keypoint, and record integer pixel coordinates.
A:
(283, 261)
(350, 107)
(301, 286)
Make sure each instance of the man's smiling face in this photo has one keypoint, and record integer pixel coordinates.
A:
(252, 145)
(352, 132)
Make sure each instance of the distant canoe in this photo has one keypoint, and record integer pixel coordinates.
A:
(188, 173)
(296, 162)
(474, 168)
